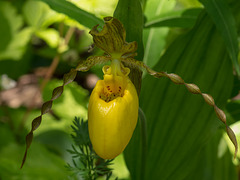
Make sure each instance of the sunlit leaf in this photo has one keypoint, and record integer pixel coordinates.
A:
(39, 16)
(69, 9)
(100, 8)
(50, 36)
(119, 168)
(190, 3)
(14, 38)
(184, 18)
(154, 39)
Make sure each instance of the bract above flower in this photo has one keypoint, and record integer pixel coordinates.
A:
(112, 39)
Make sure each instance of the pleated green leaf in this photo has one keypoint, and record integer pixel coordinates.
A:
(154, 38)
(179, 124)
(223, 18)
(85, 18)
(184, 18)
(215, 161)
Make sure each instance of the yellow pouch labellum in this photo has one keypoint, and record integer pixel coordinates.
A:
(112, 112)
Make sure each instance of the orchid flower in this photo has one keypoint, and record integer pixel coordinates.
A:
(113, 105)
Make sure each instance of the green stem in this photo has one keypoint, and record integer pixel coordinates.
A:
(143, 124)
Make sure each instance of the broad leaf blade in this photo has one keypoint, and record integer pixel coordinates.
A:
(223, 18)
(85, 18)
(179, 123)
(183, 19)
(215, 161)
(154, 38)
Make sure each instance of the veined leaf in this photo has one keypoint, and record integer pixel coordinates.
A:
(179, 123)
(154, 38)
(215, 161)
(85, 18)
(185, 19)
(223, 18)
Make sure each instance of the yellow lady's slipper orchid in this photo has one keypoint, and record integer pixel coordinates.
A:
(112, 111)
(113, 104)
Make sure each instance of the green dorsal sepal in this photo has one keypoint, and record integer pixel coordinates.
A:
(112, 39)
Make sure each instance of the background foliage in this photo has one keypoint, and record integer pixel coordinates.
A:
(42, 40)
